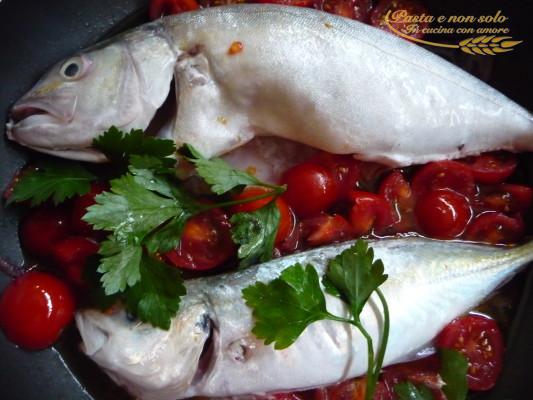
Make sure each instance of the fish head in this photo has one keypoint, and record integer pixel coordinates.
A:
(77, 100)
(148, 361)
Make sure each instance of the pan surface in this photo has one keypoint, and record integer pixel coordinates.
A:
(35, 34)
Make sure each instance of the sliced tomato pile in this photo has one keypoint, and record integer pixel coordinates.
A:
(372, 12)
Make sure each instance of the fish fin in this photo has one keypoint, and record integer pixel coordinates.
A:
(207, 116)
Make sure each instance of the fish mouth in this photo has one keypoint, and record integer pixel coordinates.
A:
(55, 109)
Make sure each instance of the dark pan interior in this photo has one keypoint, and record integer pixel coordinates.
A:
(35, 34)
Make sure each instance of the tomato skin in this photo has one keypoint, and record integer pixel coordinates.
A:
(507, 198)
(73, 249)
(205, 243)
(492, 168)
(354, 9)
(158, 8)
(397, 191)
(79, 208)
(444, 175)
(325, 229)
(343, 168)
(494, 228)
(413, 7)
(443, 214)
(287, 219)
(41, 228)
(294, 3)
(34, 309)
(480, 340)
(369, 211)
(310, 189)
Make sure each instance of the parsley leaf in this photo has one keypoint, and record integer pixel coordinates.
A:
(218, 173)
(355, 275)
(286, 306)
(57, 180)
(130, 210)
(409, 391)
(120, 265)
(118, 145)
(454, 368)
(156, 297)
(169, 236)
(163, 166)
(255, 233)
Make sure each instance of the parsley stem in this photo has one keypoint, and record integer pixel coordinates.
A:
(385, 334)
(277, 190)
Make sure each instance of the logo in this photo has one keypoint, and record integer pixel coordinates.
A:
(490, 35)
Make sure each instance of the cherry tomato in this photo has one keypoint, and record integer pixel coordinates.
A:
(205, 243)
(424, 371)
(492, 168)
(399, 9)
(354, 9)
(397, 191)
(294, 3)
(443, 214)
(41, 228)
(507, 198)
(287, 218)
(79, 208)
(444, 175)
(369, 211)
(287, 396)
(351, 389)
(73, 249)
(495, 227)
(158, 8)
(310, 189)
(325, 229)
(343, 168)
(480, 340)
(34, 309)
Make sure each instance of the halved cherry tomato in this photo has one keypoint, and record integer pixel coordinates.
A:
(495, 227)
(444, 175)
(294, 3)
(480, 340)
(41, 228)
(286, 396)
(396, 20)
(311, 189)
(79, 208)
(351, 389)
(158, 8)
(205, 243)
(71, 254)
(343, 168)
(507, 198)
(369, 211)
(492, 168)
(443, 214)
(397, 191)
(354, 9)
(325, 229)
(287, 218)
(34, 309)
(424, 371)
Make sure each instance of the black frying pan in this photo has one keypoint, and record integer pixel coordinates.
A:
(35, 34)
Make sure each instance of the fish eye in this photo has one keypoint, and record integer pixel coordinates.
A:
(72, 69)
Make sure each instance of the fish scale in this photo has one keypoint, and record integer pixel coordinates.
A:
(430, 283)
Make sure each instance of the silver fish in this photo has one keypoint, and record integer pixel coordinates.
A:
(322, 80)
(210, 350)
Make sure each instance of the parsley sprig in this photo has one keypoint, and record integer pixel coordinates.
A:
(286, 306)
(146, 209)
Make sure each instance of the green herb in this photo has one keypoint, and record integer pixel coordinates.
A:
(284, 307)
(221, 176)
(155, 298)
(57, 180)
(454, 367)
(409, 391)
(255, 233)
(118, 146)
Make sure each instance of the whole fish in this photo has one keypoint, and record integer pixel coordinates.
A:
(243, 71)
(210, 350)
